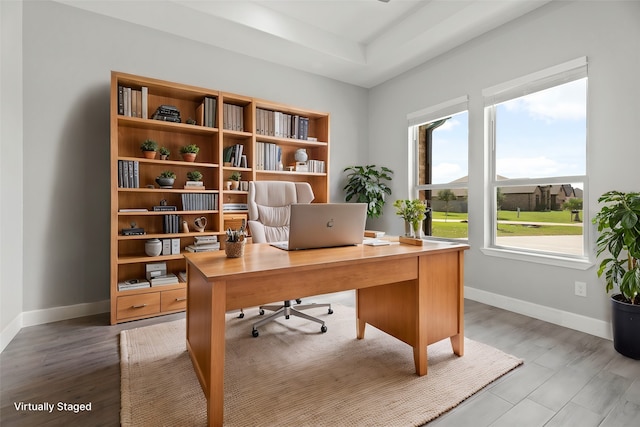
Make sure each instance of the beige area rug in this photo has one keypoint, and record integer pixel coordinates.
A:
(292, 375)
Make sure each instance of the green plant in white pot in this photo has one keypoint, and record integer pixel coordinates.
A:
(618, 223)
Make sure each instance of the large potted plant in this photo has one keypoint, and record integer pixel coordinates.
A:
(619, 226)
(367, 184)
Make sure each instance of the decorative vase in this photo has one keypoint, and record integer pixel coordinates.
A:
(149, 154)
(413, 229)
(234, 249)
(625, 319)
(153, 247)
(301, 155)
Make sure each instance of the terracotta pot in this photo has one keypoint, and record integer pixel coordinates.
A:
(235, 185)
(149, 154)
(189, 157)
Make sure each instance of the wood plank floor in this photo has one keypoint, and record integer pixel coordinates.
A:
(568, 379)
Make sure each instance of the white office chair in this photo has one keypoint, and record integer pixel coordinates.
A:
(269, 212)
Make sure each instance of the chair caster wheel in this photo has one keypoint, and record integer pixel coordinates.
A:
(330, 311)
(255, 333)
(323, 329)
(261, 312)
(241, 316)
(299, 301)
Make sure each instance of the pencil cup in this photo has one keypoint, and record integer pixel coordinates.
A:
(234, 249)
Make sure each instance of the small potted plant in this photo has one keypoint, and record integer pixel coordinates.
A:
(149, 148)
(164, 153)
(234, 245)
(166, 179)
(235, 180)
(618, 224)
(189, 152)
(194, 180)
(413, 213)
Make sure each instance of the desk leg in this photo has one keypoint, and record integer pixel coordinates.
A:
(360, 324)
(422, 311)
(215, 405)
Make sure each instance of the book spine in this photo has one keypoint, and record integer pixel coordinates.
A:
(145, 102)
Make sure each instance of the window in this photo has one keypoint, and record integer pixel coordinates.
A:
(440, 135)
(537, 133)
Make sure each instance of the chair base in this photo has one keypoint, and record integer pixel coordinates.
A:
(286, 310)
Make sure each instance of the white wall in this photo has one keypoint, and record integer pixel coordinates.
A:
(11, 168)
(608, 33)
(68, 56)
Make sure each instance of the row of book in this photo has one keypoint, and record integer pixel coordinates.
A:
(268, 156)
(209, 111)
(233, 117)
(204, 244)
(171, 224)
(128, 174)
(315, 166)
(133, 102)
(233, 154)
(281, 125)
(170, 246)
(200, 201)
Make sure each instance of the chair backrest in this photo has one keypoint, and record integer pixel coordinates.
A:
(269, 207)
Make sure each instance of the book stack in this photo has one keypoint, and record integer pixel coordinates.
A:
(235, 207)
(133, 284)
(315, 166)
(166, 279)
(204, 244)
(268, 156)
(171, 224)
(194, 185)
(167, 113)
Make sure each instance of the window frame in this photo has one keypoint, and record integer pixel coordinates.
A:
(541, 80)
(425, 116)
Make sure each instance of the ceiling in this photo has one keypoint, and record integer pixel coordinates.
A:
(362, 42)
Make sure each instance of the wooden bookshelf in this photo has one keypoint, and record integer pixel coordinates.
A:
(234, 120)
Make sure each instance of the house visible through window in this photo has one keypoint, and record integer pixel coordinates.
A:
(538, 135)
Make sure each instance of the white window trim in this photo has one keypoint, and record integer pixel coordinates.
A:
(543, 79)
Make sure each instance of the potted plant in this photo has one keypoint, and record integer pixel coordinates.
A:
(367, 185)
(413, 213)
(194, 181)
(166, 179)
(164, 153)
(149, 148)
(235, 180)
(189, 152)
(618, 223)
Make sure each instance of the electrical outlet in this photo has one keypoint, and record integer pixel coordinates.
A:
(581, 289)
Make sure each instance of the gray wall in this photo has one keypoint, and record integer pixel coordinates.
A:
(68, 55)
(11, 257)
(608, 33)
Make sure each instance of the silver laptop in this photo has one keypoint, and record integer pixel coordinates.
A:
(325, 225)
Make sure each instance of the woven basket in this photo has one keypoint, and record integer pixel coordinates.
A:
(234, 249)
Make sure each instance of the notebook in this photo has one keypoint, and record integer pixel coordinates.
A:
(325, 225)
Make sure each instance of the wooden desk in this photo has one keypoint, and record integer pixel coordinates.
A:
(414, 293)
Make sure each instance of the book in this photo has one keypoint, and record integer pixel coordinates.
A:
(202, 248)
(133, 284)
(166, 279)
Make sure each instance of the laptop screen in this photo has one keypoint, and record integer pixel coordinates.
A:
(324, 225)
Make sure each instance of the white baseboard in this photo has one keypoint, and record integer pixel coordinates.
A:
(567, 319)
(48, 315)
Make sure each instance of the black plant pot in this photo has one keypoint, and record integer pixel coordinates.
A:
(625, 320)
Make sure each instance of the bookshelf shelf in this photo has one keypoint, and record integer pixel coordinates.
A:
(226, 125)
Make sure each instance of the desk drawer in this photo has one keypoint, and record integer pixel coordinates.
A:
(173, 300)
(138, 305)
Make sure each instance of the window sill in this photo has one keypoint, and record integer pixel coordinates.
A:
(555, 260)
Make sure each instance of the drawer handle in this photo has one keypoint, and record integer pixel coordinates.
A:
(180, 299)
(139, 306)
